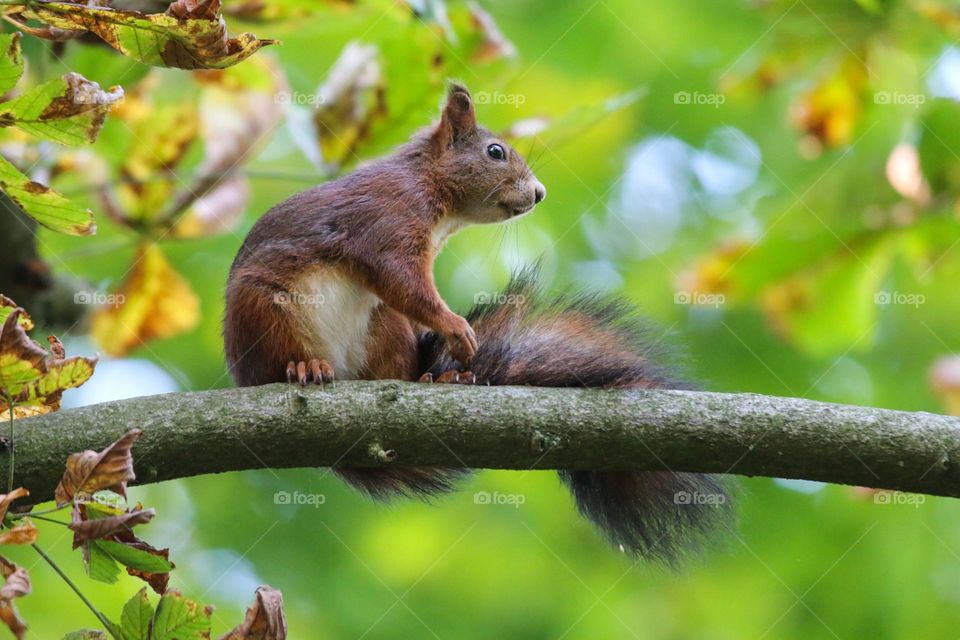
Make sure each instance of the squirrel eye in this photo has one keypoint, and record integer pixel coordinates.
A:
(497, 152)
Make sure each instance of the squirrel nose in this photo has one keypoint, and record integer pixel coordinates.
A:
(539, 193)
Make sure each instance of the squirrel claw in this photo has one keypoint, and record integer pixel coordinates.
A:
(319, 371)
(450, 377)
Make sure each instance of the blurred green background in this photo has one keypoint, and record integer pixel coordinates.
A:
(725, 165)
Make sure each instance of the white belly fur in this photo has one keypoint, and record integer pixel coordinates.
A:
(334, 314)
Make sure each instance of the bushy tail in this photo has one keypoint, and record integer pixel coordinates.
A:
(591, 340)
(409, 482)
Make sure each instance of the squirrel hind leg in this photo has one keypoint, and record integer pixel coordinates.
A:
(260, 336)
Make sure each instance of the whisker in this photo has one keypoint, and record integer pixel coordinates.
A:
(494, 190)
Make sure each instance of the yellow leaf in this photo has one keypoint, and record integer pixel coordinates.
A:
(29, 376)
(156, 303)
(190, 34)
(161, 137)
(830, 112)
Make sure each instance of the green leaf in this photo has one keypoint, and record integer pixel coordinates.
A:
(191, 34)
(44, 205)
(31, 376)
(7, 307)
(133, 557)
(136, 616)
(100, 566)
(939, 141)
(11, 62)
(69, 110)
(67, 374)
(180, 619)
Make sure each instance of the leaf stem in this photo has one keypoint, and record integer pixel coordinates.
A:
(102, 618)
(32, 514)
(45, 519)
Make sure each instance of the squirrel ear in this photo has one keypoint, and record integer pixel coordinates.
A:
(459, 118)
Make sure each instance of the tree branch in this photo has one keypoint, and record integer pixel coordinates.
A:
(353, 423)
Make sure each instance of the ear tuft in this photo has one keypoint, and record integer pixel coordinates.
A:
(457, 88)
(459, 118)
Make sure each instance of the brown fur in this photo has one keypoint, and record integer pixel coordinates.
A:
(376, 226)
(591, 341)
(379, 228)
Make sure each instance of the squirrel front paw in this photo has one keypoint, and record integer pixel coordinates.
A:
(461, 340)
(317, 370)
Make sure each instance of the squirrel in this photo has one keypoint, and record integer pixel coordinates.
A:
(337, 282)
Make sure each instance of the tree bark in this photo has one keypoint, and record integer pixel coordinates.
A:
(395, 423)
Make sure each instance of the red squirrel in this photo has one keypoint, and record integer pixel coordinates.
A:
(337, 282)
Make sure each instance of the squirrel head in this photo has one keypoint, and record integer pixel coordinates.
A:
(488, 179)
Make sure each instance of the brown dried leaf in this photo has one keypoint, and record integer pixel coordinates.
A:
(7, 498)
(88, 472)
(25, 533)
(16, 585)
(29, 375)
(191, 34)
(85, 529)
(264, 619)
